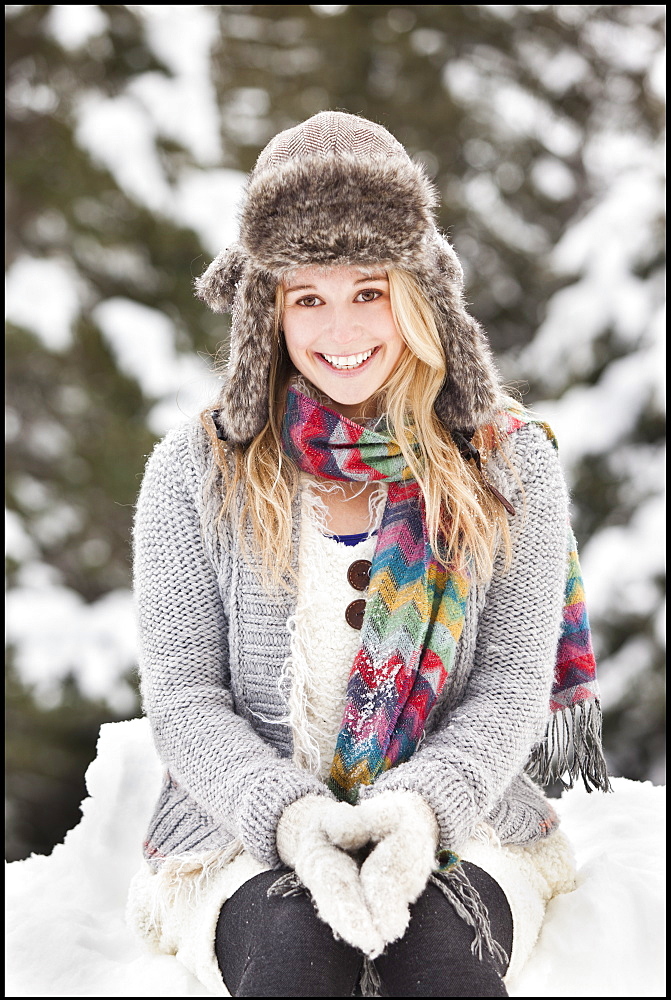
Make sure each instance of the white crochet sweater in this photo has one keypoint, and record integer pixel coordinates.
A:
(323, 644)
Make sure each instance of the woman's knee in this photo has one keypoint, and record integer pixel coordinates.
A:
(271, 944)
(435, 956)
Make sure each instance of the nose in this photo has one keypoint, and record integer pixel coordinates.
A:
(343, 328)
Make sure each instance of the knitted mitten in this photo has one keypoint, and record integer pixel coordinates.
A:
(328, 872)
(404, 830)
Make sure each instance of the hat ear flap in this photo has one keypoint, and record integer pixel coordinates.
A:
(217, 285)
(243, 402)
(446, 261)
(471, 391)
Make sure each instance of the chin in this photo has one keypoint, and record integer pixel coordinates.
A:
(344, 400)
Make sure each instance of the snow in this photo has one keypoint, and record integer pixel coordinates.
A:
(500, 217)
(606, 939)
(51, 313)
(553, 178)
(593, 419)
(604, 250)
(120, 135)
(630, 46)
(184, 106)
(95, 643)
(623, 561)
(18, 543)
(508, 110)
(208, 201)
(329, 9)
(143, 343)
(73, 25)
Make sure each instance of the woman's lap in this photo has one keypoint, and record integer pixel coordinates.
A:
(177, 913)
(274, 945)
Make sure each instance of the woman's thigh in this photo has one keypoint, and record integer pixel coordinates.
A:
(435, 957)
(274, 945)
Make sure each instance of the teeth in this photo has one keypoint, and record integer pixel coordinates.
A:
(351, 361)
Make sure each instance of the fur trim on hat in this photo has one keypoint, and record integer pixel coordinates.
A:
(339, 190)
(336, 211)
(218, 284)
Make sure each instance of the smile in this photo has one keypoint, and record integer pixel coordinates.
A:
(350, 361)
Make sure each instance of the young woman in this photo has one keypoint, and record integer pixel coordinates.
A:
(359, 604)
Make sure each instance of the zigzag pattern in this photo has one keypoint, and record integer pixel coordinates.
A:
(575, 672)
(415, 609)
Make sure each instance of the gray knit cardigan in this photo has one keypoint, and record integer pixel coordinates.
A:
(213, 642)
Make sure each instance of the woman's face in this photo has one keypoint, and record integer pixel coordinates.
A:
(340, 332)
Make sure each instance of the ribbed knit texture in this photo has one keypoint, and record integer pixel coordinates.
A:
(213, 645)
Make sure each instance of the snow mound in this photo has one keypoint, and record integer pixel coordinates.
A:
(66, 934)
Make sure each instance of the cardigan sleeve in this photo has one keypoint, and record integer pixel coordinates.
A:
(464, 767)
(210, 750)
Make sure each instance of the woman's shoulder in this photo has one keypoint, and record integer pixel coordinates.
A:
(520, 435)
(184, 454)
(520, 455)
(188, 443)
(182, 483)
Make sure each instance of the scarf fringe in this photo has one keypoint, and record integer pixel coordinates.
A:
(287, 885)
(180, 881)
(370, 984)
(468, 904)
(571, 749)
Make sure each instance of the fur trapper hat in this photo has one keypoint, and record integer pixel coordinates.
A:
(338, 189)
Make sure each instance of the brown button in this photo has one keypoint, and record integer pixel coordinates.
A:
(354, 613)
(359, 574)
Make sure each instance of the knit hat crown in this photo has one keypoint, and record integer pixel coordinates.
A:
(339, 190)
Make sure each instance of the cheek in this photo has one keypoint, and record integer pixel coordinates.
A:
(290, 338)
(296, 343)
(388, 331)
(297, 334)
(395, 344)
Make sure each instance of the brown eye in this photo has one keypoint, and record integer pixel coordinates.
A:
(368, 295)
(309, 300)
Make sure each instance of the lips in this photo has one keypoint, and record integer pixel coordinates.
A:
(348, 362)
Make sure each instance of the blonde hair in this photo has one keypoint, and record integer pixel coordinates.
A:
(464, 521)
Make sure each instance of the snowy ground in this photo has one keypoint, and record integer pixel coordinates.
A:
(66, 934)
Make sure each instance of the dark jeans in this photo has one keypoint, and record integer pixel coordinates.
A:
(277, 947)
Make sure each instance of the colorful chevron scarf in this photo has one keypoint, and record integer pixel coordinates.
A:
(415, 615)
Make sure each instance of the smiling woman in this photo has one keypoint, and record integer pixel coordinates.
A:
(361, 612)
(340, 333)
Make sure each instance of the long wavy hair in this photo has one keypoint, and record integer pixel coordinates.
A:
(259, 482)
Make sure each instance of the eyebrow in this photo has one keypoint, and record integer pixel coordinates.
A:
(359, 281)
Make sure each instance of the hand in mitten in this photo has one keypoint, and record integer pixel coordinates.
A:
(329, 873)
(404, 830)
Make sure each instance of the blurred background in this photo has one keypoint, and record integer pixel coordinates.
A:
(130, 129)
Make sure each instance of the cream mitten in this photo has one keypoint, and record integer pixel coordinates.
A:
(404, 829)
(328, 872)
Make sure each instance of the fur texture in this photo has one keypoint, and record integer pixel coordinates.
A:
(404, 832)
(329, 873)
(369, 906)
(339, 189)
